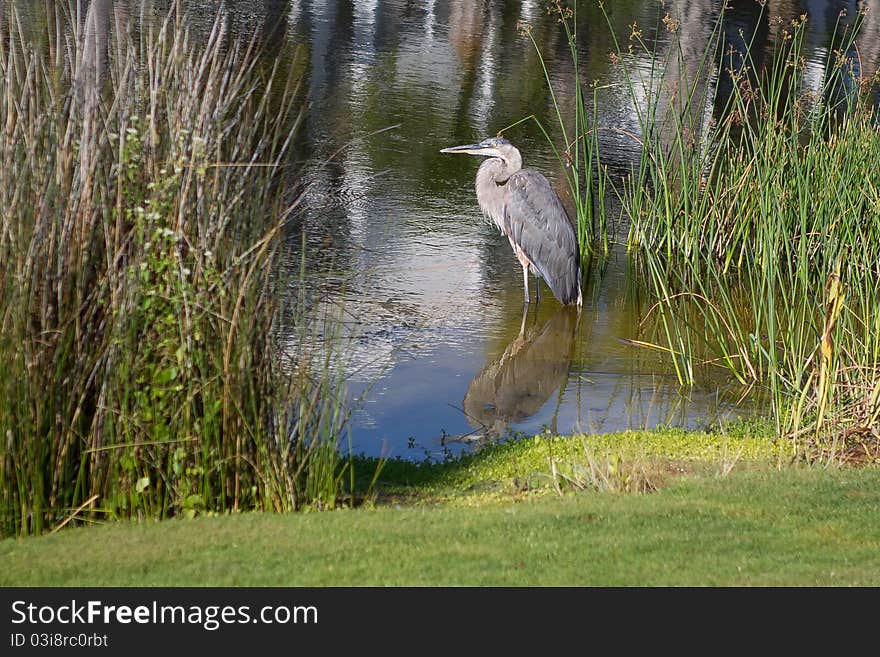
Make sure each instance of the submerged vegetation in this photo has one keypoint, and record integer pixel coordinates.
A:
(140, 216)
(759, 229)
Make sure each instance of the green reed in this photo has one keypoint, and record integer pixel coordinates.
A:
(763, 239)
(143, 203)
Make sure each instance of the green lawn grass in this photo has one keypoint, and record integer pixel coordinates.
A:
(760, 525)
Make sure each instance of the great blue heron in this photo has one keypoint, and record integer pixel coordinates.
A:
(525, 208)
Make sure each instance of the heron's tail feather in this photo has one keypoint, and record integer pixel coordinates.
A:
(567, 288)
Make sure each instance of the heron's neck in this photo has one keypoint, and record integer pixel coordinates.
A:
(500, 170)
(491, 186)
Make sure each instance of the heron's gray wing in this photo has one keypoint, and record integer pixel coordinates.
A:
(536, 221)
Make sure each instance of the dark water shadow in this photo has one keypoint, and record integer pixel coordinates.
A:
(515, 386)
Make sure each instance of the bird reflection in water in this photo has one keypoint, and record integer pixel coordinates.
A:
(532, 368)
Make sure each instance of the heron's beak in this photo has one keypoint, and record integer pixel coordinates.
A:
(470, 149)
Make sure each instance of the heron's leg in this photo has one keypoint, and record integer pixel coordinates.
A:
(537, 289)
(524, 261)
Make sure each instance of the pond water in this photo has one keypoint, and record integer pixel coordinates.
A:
(439, 354)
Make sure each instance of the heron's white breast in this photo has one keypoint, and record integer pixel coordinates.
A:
(490, 195)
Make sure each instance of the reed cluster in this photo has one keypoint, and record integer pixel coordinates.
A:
(143, 192)
(762, 240)
(757, 225)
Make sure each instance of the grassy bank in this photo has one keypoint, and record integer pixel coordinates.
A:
(496, 519)
(627, 462)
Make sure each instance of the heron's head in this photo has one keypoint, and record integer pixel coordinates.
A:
(491, 147)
